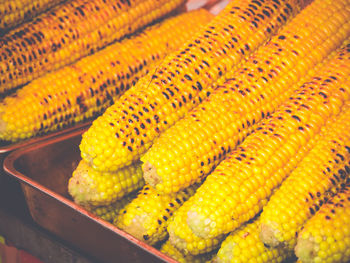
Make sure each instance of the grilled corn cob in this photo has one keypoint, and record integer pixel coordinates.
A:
(241, 184)
(70, 31)
(244, 245)
(191, 148)
(316, 178)
(146, 216)
(91, 188)
(110, 212)
(171, 251)
(86, 88)
(15, 12)
(182, 81)
(326, 236)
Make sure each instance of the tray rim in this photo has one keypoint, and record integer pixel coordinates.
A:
(10, 170)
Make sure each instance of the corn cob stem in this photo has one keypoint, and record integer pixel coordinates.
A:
(146, 216)
(70, 31)
(326, 236)
(86, 88)
(91, 188)
(244, 245)
(248, 176)
(324, 170)
(13, 13)
(191, 148)
(182, 81)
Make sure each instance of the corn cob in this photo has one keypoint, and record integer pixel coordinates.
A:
(146, 216)
(182, 81)
(110, 212)
(13, 13)
(86, 88)
(168, 249)
(326, 236)
(317, 177)
(241, 184)
(190, 149)
(244, 245)
(91, 188)
(70, 31)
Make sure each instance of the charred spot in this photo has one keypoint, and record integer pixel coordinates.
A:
(323, 95)
(296, 117)
(347, 148)
(199, 86)
(206, 63)
(254, 24)
(156, 118)
(347, 168)
(312, 211)
(342, 173)
(340, 156)
(165, 95)
(333, 182)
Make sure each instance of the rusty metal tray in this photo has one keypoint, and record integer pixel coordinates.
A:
(10, 188)
(43, 170)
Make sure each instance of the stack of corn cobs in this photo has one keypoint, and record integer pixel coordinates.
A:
(219, 138)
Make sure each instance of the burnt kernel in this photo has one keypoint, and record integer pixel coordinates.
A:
(323, 94)
(347, 148)
(312, 211)
(296, 117)
(188, 77)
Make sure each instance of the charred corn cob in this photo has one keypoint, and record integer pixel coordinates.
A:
(316, 178)
(244, 245)
(146, 216)
(70, 31)
(182, 81)
(326, 236)
(110, 212)
(168, 249)
(91, 188)
(86, 88)
(190, 149)
(15, 12)
(241, 184)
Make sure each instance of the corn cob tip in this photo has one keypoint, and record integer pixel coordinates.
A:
(80, 187)
(135, 229)
(268, 235)
(306, 249)
(150, 174)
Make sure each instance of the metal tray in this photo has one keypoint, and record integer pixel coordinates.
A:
(10, 188)
(43, 170)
